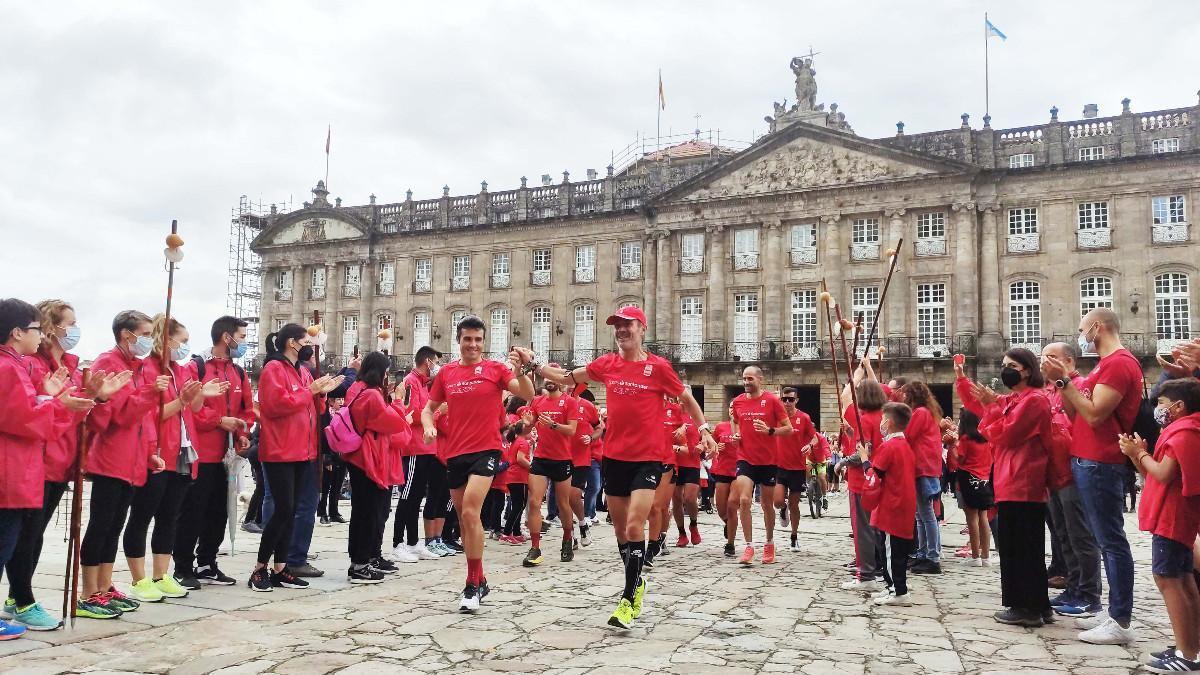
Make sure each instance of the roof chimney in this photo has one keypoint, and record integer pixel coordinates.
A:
(1090, 111)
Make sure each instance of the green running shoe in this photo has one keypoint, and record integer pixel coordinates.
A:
(146, 591)
(34, 617)
(623, 617)
(170, 588)
(99, 606)
(638, 594)
(121, 601)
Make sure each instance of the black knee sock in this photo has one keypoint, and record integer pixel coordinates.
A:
(623, 549)
(651, 550)
(633, 568)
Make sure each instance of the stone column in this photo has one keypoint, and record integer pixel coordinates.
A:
(714, 311)
(832, 260)
(366, 304)
(898, 299)
(964, 287)
(772, 278)
(663, 307)
(650, 282)
(991, 338)
(333, 291)
(298, 295)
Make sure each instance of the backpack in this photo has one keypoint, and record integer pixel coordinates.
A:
(342, 435)
(199, 362)
(1143, 422)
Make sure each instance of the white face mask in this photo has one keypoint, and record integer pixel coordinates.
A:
(433, 370)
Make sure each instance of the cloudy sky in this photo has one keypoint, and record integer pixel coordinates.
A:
(120, 116)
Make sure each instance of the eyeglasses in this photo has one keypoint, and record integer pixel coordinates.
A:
(38, 328)
(788, 399)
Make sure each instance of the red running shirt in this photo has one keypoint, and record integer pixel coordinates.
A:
(792, 453)
(634, 393)
(725, 463)
(759, 449)
(1121, 371)
(587, 418)
(897, 510)
(553, 444)
(1173, 510)
(473, 396)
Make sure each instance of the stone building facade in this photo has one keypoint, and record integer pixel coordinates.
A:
(1008, 235)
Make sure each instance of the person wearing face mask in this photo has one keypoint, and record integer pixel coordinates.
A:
(290, 401)
(221, 422)
(1018, 427)
(119, 458)
(1170, 510)
(424, 475)
(891, 483)
(162, 493)
(30, 422)
(1101, 408)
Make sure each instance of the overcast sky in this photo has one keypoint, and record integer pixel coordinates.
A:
(120, 116)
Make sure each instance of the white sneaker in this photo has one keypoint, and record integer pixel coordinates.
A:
(403, 554)
(1109, 633)
(895, 601)
(469, 605)
(1092, 621)
(423, 552)
(885, 593)
(985, 562)
(977, 562)
(867, 586)
(585, 538)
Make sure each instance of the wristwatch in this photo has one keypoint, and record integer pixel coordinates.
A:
(1062, 384)
(771, 431)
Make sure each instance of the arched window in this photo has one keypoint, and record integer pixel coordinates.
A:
(691, 327)
(1025, 315)
(420, 331)
(539, 332)
(584, 339)
(1172, 310)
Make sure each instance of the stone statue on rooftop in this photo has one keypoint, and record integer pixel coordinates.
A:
(806, 84)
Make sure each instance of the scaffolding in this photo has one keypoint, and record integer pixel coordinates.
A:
(243, 287)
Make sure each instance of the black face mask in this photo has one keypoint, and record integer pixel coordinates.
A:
(1011, 377)
(306, 353)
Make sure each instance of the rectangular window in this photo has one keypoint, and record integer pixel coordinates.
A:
(584, 339)
(462, 266)
(585, 264)
(803, 244)
(420, 330)
(1164, 145)
(691, 260)
(1093, 215)
(745, 326)
(501, 263)
(349, 334)
(1023, 220)
(931, 225)
(1025, 315)
(1167, 210)
(353, 274)
(387, 272)
(745, 249)
(283, 280)
(423, 269)
(1095, 292)
(864, 300)
(1172, 308)
(865, 231)
(384, 322)
(1021, 161)
(804, 324)
(1091, 154)
(541, 260)
(931, 319)
(539, 333)
(631, 253)
(691, 327)
(498, 337)
(318, 277)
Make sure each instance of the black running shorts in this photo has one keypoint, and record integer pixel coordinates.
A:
(461, 468)
(718, 478)
(556, 470)
(622, 478)
(686, 474)
(580, 475)
(761, 474)
(795, 480)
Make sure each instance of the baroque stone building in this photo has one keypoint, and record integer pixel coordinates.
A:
(1008, 235)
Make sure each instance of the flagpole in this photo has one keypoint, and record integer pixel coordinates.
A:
(328, 138)
(986, 85)
(658, 118)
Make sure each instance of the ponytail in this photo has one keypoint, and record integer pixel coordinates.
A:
(278, 340)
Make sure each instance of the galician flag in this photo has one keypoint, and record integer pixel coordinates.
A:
(992, 30)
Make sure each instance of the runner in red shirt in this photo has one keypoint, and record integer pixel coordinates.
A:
(723, 469)
(796, 457)
(687, 486)
(761, 419)
(587, 432)
(673, 433)
(635, 383)
(472, 389)
(556, 414)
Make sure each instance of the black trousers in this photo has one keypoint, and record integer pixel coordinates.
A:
(254, 508)
(110, 500)
(25, 556)
(492, 515)
(451, 530)
(159, 500)
(424, 479)
(331, 487)
(892, 559)
(1021, 542)
(369, 505)
(518, 495)
(277, 532)
(202, 518)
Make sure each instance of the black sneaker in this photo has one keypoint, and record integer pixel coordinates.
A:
(1019, 617)
(545, 527)
(568, 551)
(469, 602)
(260, 581)
(730, 551)
(484, 589)
(305, 570)
(453, 546)
(1164, 653)
(1048, 617)
(533, 558)
(384, 566)
(285, 579)
(324, 520)
(1171, 662)
(188, 580)
(211, 574)
(824, 504)
(337, 519)
(364, 575)
(926, 567)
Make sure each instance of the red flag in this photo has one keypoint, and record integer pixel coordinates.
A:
(328, 137)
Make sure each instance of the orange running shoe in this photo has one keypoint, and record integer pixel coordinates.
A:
(747, 555)
(768, 553)
(695, 536)
(682, 542)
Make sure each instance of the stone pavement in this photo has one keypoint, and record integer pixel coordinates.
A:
(704, 613)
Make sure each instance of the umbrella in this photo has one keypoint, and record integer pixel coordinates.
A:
(233, 466)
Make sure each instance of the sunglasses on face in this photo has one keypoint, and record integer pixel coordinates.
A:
(788, 399)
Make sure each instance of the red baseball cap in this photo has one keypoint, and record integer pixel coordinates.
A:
(629, 313)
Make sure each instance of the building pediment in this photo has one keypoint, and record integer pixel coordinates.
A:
(312, 226)
(806, 157)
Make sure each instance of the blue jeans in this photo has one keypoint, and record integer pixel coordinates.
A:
(307, 497)
(593, 490)
(1102, 490)
(929, 538)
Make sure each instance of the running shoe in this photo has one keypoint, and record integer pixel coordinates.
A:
(260, 581)
(212, 575)
(795, 547)
(862, 585)
(337, 518)
(768, 553)
(695, 536)
(682, 542)
(747, 555)
(585, 535)
(11, 631)
(469, 602)
(171, 588)
(34, 617)
(1019, 617)
(533, 558)
(783, 516)
(1080, 611)
(252, 528)
(568, 551)
(1064, 598)
(364, 575)
(484, 589)
(521, 539)
(96, 607)
(285, 579)
(454, 546)
(639, 594)
(895, 601)
(1109, 633)
(623, 617)
(384, 566)
(1172, 662)
(9, 610)
(545, 526)
(430, 551)
(146, 590)
(187, 579)
(305, 570)
(324, 521)
(730, 551)
(964, 552)
(123, 602)
(824, 503)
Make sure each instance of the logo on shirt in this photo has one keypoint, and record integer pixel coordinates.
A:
(478, 370)
(561, 402)
(647, 370)
(762, 403)
(295, 387)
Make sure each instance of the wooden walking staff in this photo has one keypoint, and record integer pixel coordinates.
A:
(173, 253)
(858, 329)
(827, 299)
(845, 325)
(894, 255)
(71, 579)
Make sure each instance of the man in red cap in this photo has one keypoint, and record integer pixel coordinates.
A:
(556, 414)
(636, 383)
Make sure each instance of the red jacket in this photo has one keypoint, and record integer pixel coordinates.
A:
(169, 430)
(211, 440)
(385, 432)
(418, 395)
(925, 438)
(61, 450)
(289, 413)
(123, 432)
(1016, 425)
(25, 427)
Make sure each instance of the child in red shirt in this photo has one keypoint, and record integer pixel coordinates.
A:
(892, 480)
(1170, 509)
